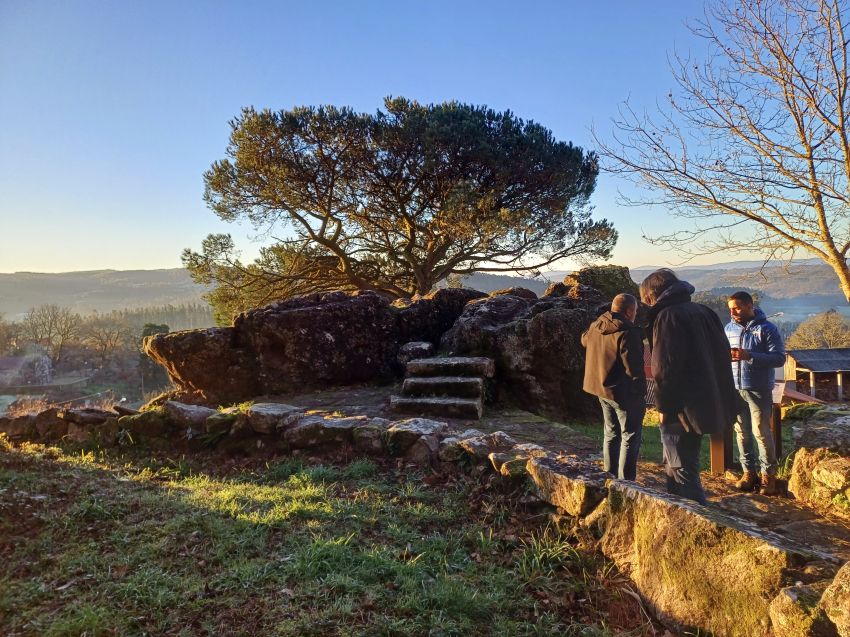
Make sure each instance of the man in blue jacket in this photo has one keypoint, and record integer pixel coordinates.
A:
(757, 349)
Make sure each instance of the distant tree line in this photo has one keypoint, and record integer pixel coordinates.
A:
(103, 346)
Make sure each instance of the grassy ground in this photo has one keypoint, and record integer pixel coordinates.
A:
(96, 544)
(651, 449)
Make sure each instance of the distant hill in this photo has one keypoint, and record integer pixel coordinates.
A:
(97, 290)
(492, 282)
(779, 282)
(807, 285)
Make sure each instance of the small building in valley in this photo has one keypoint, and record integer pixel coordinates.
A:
(820, 373)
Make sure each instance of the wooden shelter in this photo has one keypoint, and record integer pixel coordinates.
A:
(821, 373)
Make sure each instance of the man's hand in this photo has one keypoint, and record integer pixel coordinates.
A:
(740, 354)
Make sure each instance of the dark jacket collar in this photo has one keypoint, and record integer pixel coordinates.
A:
(758, 318)
(676, 292)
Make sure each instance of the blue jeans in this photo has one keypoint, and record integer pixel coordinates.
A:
(622, 436)
(752, 429)
(681, 461)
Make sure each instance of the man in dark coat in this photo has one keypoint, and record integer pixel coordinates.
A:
(691, 365)
(613, 371)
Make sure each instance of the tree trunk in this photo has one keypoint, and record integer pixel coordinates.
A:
(843, 271)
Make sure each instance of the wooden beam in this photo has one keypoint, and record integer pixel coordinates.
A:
(812, 384)
(720, 451)
(776, 428)
(839, 383)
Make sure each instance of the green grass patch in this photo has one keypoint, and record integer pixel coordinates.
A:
(651, 449)
(106, 544)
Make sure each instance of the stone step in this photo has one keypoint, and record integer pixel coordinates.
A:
(454, 386)
(452, 366)
(437, 407)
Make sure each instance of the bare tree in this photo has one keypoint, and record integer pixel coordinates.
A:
(9, 336)
(105, 335)
(53, 328)
(754, 146)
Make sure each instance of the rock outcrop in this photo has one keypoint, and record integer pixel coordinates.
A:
(536, 346)
(697, 567)
(610, 280)
(820, 475)
(313, 341)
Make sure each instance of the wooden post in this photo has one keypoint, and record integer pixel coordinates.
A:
(839, 382)
(720, 451)
(776, 429)
(812, 384)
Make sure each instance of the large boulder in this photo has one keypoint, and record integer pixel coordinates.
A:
(429, 317)
(536, 345)
(610, 280)
(696, 567)
(307, 342)
(213, 364)
(835, 601)
(322, 339)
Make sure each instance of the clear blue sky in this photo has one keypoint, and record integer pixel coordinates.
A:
(111, 111)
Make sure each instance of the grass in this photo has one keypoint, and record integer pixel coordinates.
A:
(651, 449)
(101, 544)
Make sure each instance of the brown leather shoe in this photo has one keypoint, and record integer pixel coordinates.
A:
(748, 482)
(768, 485)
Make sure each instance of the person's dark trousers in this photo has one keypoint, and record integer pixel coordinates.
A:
(622, 436)
(681, 462)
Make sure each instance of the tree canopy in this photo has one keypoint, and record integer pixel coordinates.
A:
(754, 146)
(822, 331)
(395, 201)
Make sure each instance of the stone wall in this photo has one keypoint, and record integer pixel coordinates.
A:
(820, 475)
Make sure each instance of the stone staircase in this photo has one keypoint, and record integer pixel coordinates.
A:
(450, 387)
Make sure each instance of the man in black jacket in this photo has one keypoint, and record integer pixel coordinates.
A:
(692, 368)
(613, 371)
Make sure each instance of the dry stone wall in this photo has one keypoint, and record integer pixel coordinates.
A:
(820, 475)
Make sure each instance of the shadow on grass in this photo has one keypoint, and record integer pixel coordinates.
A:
(108, 544)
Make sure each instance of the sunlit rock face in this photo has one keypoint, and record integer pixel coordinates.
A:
(820, 475)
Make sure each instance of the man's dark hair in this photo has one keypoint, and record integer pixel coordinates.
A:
(653, 285)
(745, 297)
